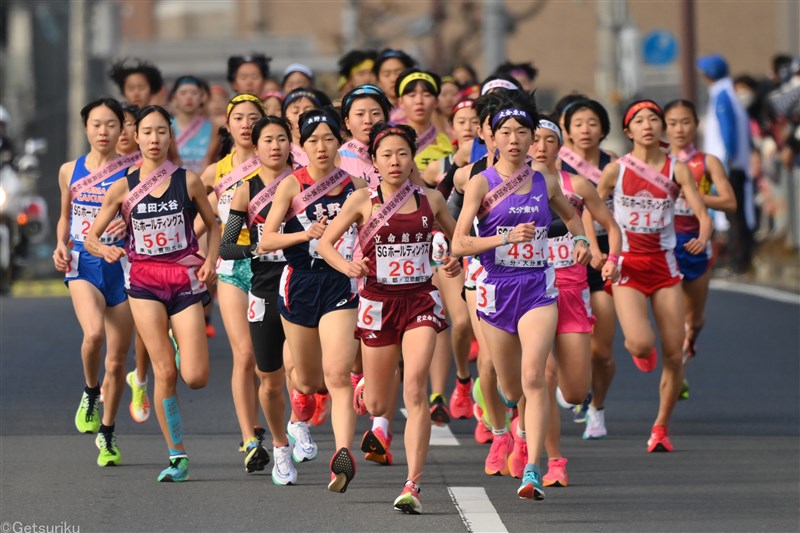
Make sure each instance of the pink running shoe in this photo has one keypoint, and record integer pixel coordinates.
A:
(659, 440)
(556, 475)
(303, 405)
(519, 454)
(461, 400)
(497, 460)
(376, 445)
(647, 364)
(358, 398)
(322, 408)
(355, 378)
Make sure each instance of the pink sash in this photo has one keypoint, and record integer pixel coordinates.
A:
(99, 175)
(187, 134)
(687, 153)
(264, 197)
(649, 174)
(236, 174)
(427, 138)
(315, 192)
(156, 178)
(389, 208)
(582, 166)
(503, 189)
(357, 148)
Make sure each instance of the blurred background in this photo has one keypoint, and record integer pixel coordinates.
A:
(55, 56)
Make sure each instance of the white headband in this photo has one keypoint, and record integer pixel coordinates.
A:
(552, 126)
(498, 84)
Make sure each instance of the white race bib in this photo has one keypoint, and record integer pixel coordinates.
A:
(682, 207)
(561, 251)
(370, 314)
(486, 299)
(72, 265)
(642, 214)
(224, 205)
(225, 267)
(531, 254)
(81, 222)
(255, 308)
(401, 264)
(159, 235)
(272, 257)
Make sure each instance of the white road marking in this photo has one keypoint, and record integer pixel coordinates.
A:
(440, 436)
(476, 510)
(756, 290)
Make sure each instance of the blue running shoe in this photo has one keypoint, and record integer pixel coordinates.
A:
(531, 487)
(508, 403)
(178, 470)
(579, 411)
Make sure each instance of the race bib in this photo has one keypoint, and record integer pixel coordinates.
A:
(531, 254)
(72, 265)
(643, 214)
(345, 245)
(682, 207)
(126, 270)
(225, 267)
(196, 283)
(81, 222)
(370, 314)
(159, 235)
(224, 205)
(271, 257)
(255, 308)
(486, 300)
(561, 251)
(401, 264)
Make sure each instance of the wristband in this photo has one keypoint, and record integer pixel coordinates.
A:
(505, 239)
(613, 258)
(578, 238)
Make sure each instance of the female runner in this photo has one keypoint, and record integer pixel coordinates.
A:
(167, 278)
(362, 108)
(399, 308)
(295, 104)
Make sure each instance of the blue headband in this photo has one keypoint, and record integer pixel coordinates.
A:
(363, 90)
(296, 95)
(520, 115)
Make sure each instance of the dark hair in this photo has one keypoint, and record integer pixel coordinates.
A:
(110, 103)
(310, 120)
(473, 75)
(683, 103)
(381, 130)
(263, 122)
(353, 58)
(317, 97)
(187, 80)
(500, 76)
(515, 100)
(745, 79)
(592, 105)
(508, 68)
(389, 53)
(130, 108)
(149, 109)
(780, 62)
(259, 60)
(567, 100)
(366, 91)
(434, 88)
(119, 73)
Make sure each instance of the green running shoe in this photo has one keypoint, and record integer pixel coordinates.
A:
(87, 419)
(684, 395)
(178, 470)
(109, 451)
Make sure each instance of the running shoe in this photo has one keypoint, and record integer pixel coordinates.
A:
(460, 401)
(304, 447)
(259, 433)
(283, 471)
(497, 460)
(322, 408)
(595, 424)
(355, 378)
(579, 411)
(211, 331)
(684, 395)
(175, 347)
(556, 475)
(477, 394)
(358, 397)
(647, 364)
(483, 434)
(140, 405)
(87, 419)
(256, 456)
(531, 486)
(659, 440)
(440, 415)
(564, 404)
(519, 453)
(508, 403)
(303, 405)
(109, 451)
(376, 446)
(343, 470)
(689, 350)
(178, 470)
(473, 350)
(408, 501)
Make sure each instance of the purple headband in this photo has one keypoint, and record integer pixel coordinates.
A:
(519, 114)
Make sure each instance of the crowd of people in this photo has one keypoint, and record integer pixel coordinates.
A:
(358, 245)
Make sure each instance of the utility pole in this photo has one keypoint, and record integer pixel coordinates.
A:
(688, 51)
(611, 16)
(494, 40)
(77, 76)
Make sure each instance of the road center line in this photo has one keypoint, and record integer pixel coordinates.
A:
(476, 510)
(440, 436)
(756, 290)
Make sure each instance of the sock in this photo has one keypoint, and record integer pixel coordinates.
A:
(108, 430)
(499, 432)
(249, 441)
(322, 390)
(466, 380)
(381, 422)
(139, 383)
(520, 432)
(436, 395)
(176, 454)
(93, 392)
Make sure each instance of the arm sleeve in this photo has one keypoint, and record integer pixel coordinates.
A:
(455, 203)
(727, 124)
(228, 247)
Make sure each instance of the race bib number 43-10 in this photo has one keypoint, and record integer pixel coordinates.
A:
(531, 254)
(401, 264)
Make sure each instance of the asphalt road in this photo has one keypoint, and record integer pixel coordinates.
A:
(736, 465)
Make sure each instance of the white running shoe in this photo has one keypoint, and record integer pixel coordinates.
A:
(561, 401)
(283, 471)
(305, 449)
(595, 424)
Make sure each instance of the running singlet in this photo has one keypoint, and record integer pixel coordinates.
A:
(193, 152)
(400, 253)
(354, 158)
(162, 227)
(440, 147)
(86, 206)
(266, 268)
(644, 212)
(562, 247)
(685, 220)
(514, 209)
(224, 166)
(605, 159)
(304, 256)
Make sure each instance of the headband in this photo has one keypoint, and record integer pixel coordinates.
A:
(367, 64)
(239, 98)
(463, 104)
(498, 84)
(363, 90)
(296, 95)
(218, 89)
(391, 130)
(414, 76)
(298, 67)
(552, 126)
(319, 118)
(638, 106)
(272, 94)
(509, 112)
(187, 80)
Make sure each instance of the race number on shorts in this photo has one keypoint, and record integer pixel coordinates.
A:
(486, 300)
(370, 314)
(72, 265)
(255, 308)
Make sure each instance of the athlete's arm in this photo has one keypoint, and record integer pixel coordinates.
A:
(111, 205)
(725, 199)
(608, 180)
(61, 253)
(441, 213)
(353, 211)
(197, 192)
(271, 239)
(598, 211)
(569, 215)
(463, 243)
(689, 188)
